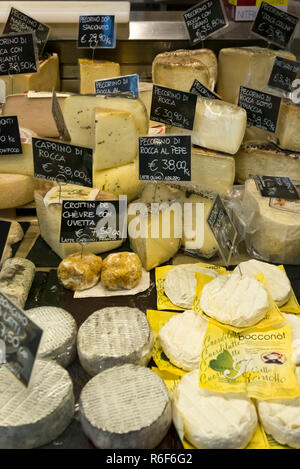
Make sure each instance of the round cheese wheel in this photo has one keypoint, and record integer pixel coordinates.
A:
(15, 190)
(79, 271)
(121, 270)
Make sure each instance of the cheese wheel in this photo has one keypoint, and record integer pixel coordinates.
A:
(15, 190)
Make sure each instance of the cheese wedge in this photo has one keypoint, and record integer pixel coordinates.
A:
(179, 72)
(15, 190)
(78, 115)
(274, 226)
(245, 66)
(49, 218)
(121, 180)
(116, 138)
(288, 127)
(47, 78)
(262, 159)
(218, 125)
(91, 70)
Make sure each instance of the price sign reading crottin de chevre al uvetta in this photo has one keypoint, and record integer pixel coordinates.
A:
(165, 158)
(262, 108)
(18, 54)
(62, 162)
(96, 32)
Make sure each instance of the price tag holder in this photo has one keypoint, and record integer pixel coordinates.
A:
(96, 32)
(59, 119)
(201, 90)
(123, 84)
(276, 187)
(262, 108)
(173, 107)
(62, 162)
(18, 54)
(284, 73)
(18, 22)
(10, 140)
(92, 221)
(4, 230)
(165, 158)
(19, 340)
(204, 19)
(223, 229)
(274, 25)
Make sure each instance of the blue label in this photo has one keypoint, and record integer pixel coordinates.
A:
(96, 32)
(123, 84)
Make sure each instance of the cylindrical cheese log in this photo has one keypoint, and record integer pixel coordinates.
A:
(16, 278)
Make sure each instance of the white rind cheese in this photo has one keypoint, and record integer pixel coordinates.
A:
(125, 407)
(114, 336)
(294, 322)
(16, 278)
(277, 281)
(33, 416)
(235, 300)
(245, 66)
(254, 158)
(59, 334)
(181, 339)
(78, 115)
(211, 420)
(115, 138)
(180, 284)
(281, 418)
(274, 232)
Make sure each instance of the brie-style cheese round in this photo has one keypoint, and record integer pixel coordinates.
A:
(281, 418)
(235, 300)
(212, 420)
(181, 339)
(277, 281)
(180, 284)
(294, 322)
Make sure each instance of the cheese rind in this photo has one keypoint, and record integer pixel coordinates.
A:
(78, 115)
(115, 138)
(181, 339)
(273, 230)
(16, 278)
(245, 66)
(15, 190)
(281, 418)
(112, 337)
(288, 125)
(33, 416)
(58, 341)
(91, 70)
(125, 407)
(212, 420)
(261, 159)
(235, 300)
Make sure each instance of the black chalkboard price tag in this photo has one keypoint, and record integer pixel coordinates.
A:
(201, 90)
(274, 25)
(173, 107)
(223, 229)
(283, 74)
(204, 19)
(165, 158)
(96, 32)
(4, 230)
(276, 187)
(62, 162)
(92, 221)
(18, 54)
(19, 340)
(262, 108)
(10, 140)
(18, 22)
(123, 84)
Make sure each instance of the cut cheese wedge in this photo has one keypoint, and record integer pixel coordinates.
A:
(288, 125)
(254, 158)
(245, 66)
(15, 190)
(91, 70)
(218, 125)
(115, 138)
(78, 115)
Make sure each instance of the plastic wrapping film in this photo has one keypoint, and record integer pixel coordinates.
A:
(270, 227)
(16, 278)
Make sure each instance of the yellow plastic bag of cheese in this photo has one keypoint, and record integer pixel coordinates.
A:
(258, 362)
(163, 301)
